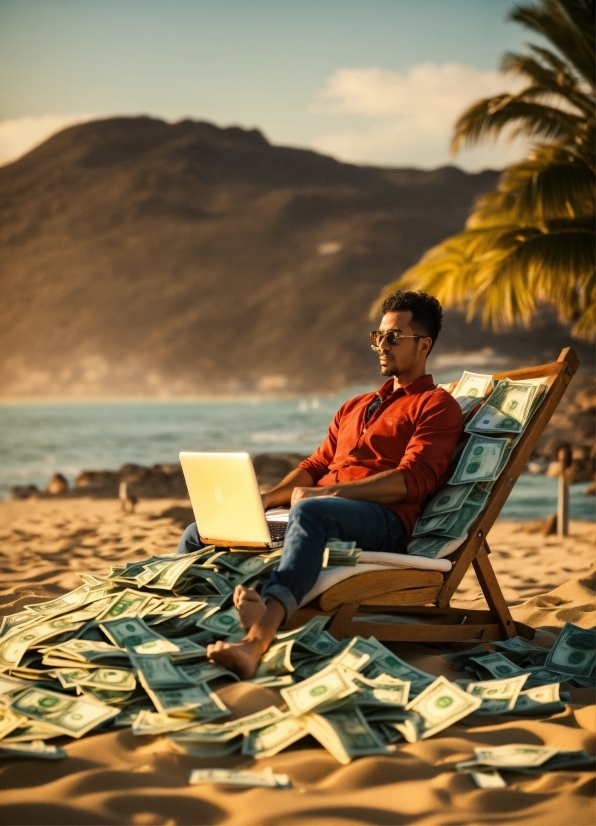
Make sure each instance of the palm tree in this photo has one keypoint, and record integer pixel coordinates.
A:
(531, 240)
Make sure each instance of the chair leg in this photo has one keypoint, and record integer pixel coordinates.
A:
(492, 591)
(341, 622)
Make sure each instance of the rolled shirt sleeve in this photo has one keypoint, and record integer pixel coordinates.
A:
(429, 451)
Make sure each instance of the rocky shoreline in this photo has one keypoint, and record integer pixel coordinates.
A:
(573, 425)
(161, 481)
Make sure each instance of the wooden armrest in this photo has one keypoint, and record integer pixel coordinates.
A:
(375, 583)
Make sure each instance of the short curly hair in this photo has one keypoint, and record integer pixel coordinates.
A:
(427, 313)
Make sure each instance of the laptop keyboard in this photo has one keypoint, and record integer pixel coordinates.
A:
(277, 530)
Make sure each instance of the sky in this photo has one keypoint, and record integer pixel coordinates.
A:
(367, 81)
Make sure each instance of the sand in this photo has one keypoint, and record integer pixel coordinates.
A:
(117, 778)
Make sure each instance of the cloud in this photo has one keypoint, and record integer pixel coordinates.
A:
(20, 135)
(406, 118)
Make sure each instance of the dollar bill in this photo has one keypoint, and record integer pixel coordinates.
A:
(450, 498)
(74, 599)
(9, 721)
(13, 621)
(223, 623)
(337, 552)
(345, 734)
(542, 700)
(204, 672)
(113, 679)
(133, 633)
(441, 705)
(159, 672)
(391, 664)
(328, 685)
(36, 749)
(86, 651)
(480, 460)
(276, 660)
(574, 652)
(203, 703)
(508, 409)
(380, 692)
(152, 722)
(453, 525)
(490, 779)
(433, 547)
(357, 654)
(222, 732)
(275, 737)
(472, 385)
(511, 756)
(498, 696)
(498, 666)
(68, 715)
(236, 777)
(14, 645)
(10, 685)
(127, 603)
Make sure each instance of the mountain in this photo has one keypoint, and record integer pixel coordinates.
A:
(141, 257)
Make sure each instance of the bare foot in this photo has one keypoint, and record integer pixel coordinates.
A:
(241, 657)
(249, 605)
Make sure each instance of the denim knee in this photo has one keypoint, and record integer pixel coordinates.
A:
(189, 541)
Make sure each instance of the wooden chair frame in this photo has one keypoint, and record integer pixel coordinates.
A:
(425, 595)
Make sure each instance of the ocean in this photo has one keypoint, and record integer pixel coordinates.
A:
(38, 439)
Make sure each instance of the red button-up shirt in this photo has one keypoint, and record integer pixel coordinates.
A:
(415, 429)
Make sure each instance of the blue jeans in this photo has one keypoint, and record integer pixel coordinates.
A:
(311, 523)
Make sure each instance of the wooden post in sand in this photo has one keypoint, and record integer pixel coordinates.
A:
(564, 457)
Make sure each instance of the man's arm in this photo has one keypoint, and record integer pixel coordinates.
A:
(426, 459)
(281, 494)
(383, 489)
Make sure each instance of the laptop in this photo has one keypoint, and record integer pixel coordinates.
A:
(227, 504)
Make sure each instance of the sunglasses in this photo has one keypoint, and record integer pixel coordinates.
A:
(392, 337)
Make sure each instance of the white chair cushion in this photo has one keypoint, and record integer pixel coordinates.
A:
(370, 561)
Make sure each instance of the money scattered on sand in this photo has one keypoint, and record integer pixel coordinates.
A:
(485, 769)
(234, 777)
(128, 649)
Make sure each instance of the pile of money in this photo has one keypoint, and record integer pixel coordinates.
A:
(485, 769)
(495, 425)
(128, 649)
(340, 553)
(571, 659)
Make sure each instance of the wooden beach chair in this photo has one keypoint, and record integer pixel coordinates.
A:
(422, 598)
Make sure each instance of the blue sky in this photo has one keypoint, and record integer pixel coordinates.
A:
(370, 81)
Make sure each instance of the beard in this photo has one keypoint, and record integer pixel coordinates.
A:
(389, 370)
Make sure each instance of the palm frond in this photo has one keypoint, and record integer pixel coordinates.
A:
(549, 82)
(568, 25)
(551, 184)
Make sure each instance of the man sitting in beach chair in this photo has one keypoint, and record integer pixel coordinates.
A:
(385, 454)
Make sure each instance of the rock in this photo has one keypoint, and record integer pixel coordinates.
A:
(271, 468)
(97, 483)
(58, 484)
(550, 525)
(535, 468)
(24, 492)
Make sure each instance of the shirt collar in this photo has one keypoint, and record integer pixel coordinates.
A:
(414, 387)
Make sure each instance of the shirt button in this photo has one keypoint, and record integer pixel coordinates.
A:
(365, 429)
(345, 464)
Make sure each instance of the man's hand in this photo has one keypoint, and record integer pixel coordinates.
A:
(310, 493)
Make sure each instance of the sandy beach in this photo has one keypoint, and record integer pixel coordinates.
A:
(116, 777)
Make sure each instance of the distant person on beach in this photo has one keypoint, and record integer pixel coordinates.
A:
(385, 454)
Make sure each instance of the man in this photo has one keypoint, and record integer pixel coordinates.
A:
(384, 455)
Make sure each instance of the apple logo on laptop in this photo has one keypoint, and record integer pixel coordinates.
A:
(219, 494)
